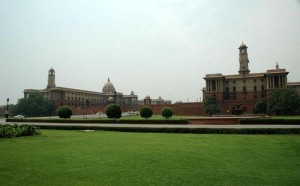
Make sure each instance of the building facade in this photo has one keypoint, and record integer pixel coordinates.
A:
(240, 92)
(149, 101)
(83, 98)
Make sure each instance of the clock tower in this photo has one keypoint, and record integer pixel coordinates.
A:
(51, 79)
(243, 58)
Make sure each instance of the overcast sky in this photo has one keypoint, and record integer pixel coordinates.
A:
(153, 47)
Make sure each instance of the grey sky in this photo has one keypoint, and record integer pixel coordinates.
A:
(156, 47)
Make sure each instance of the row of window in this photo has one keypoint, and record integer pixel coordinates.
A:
(245, 88)
(244, 81)
(82, 94)
(227, 96)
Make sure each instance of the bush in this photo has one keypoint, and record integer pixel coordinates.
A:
(167, 112)
(9, 131)
(146, 112)
(64, 112)
(113, 111)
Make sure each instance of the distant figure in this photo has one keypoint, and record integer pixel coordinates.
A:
(210, 114)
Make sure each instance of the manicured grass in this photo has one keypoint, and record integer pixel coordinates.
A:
(113, 158)
(285, 117)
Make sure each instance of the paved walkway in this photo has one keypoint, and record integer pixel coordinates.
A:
(160, 125)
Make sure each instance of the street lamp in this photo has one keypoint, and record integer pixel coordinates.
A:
(6, 115)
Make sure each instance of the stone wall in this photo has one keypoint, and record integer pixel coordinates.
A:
(181, 109)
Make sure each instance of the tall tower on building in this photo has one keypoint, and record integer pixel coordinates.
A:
(51, 79)
(244, 69)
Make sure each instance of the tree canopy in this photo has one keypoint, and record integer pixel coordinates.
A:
(210, 105)
(284, 101)
(261, 106)
(64, 112)
(146, 112)
(34, 105)
(113, 111)
(167, 112)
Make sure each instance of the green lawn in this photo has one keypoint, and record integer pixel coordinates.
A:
(285, 117)
(114, 158)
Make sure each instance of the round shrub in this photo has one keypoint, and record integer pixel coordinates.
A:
(167, 112)
(146, 112)
(64, 112)
(113, 111)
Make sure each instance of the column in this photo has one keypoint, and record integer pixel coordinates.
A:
(208, 86)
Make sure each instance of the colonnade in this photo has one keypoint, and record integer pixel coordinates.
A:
(214, 85)
(276, 81)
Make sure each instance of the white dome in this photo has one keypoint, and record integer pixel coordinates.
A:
(108, 87)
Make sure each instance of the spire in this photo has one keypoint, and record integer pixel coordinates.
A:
(108, 80)
(277, 66)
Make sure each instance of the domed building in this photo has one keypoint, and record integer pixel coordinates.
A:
(108, 87)
(82, 98)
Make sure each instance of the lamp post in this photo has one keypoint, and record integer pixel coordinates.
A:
(6, 115)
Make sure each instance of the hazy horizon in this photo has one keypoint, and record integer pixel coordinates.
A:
(156, 48)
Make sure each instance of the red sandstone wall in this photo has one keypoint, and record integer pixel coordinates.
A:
(182, 109)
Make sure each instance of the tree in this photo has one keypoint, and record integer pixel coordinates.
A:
(167, 112)
(210, 105)
(284, 101)
(64, 112)
(261, 106)
(113, 111)
(146, 112)
(34, 105)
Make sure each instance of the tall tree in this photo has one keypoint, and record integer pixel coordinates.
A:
(284, 101)
(34, 105)
(210, 105)
(261, 106)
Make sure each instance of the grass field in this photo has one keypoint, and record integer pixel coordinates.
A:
(285, 117)
(113, 158)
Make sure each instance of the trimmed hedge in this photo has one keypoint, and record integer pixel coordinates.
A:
(180, 130)
(113, 111)
(14, 130)
(123, 121)
(270, 121)
(146, 112)
(64, 112)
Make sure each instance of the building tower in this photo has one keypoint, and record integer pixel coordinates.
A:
(51, 79)
(243, 60)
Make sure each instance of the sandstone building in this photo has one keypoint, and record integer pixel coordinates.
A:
(83, 98)
(239, 92)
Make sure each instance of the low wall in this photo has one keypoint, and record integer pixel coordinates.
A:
(180, 109)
